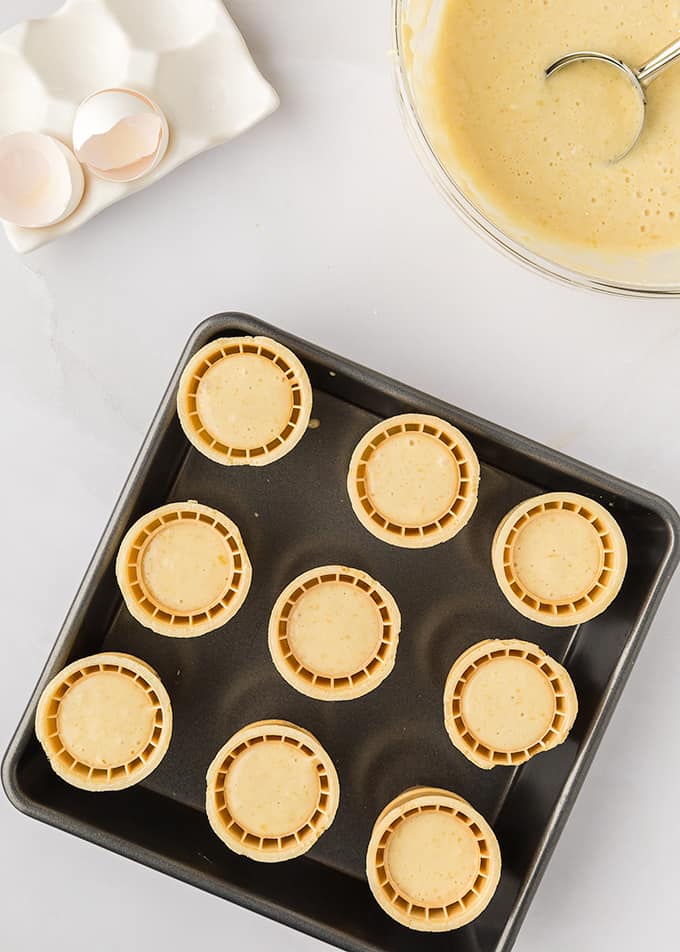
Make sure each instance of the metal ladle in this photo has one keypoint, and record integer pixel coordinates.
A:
(638, 78)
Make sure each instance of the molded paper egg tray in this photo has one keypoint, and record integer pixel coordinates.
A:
(187, 56)
(294, 515)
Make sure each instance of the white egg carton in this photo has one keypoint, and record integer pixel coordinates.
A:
(186, 55)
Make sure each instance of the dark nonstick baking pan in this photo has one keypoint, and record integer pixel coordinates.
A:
(294, 515)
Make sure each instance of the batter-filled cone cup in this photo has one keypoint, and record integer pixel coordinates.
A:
(560, 559)
(272, 790)
(105, 722)
(333, 633)
(506, 701)
(433, 862)
(183, 570)
(244, 401)
(413, 481)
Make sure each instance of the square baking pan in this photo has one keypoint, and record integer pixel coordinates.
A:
(294, 515)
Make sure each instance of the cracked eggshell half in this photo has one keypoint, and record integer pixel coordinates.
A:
(120, 134)
(41, 181)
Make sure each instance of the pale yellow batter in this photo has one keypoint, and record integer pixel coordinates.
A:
(412, 479)
(272, 789)
(187, 566)
(534, 153)
(558, 556)
(106, 719)
(508, 704)
(244, 401)
(335, 629)
(433, 858)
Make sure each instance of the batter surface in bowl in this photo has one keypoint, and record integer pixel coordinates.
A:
(535, 154)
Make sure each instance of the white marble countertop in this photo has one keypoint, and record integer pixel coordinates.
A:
(322, 221)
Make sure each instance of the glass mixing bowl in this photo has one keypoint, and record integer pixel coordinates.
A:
(656, 275)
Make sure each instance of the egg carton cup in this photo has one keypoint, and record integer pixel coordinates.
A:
(189, 58)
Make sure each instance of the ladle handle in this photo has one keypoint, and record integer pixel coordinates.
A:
(657, 64)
